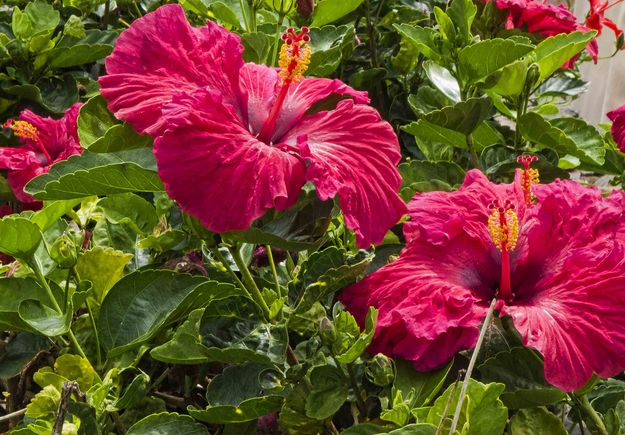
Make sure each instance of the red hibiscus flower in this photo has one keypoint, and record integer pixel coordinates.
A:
(234, 139)
(544, 19)
(596, 17)
(555, 264)
(45, 141)
(617, 116)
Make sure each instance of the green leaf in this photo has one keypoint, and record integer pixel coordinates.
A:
(446, 27)
(435, 142)
(186, 346)
(424, 386)
(607, 394)
(301, 227)
(234, 331)
(565, 136)
(44, 404)
(292, 417)
(463, 117)
(98, 174)
(482, 411)
(36, 24)
(374, 429)
(19, 237)
(103, 267)
(131, 210)
(478, 61)
(328, 392)
(329, 44)
(443, 80)
(13, 291)
(164, 241)
(510, 80)
(522, 372)
(68, 368)
(422, 38)
(100, 131)
(536, 420)
(425, 176)
(72, 51)
(322, 275)
(329, 11)
(19, 351)
(167, 423)
(52, 93)
(137, 307)
(239, 394)
(51, 212)
(43, 319)
(462, 14)
(356, 349)
(553, 52)
(257, 46)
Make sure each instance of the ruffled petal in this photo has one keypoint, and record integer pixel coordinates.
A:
(617, 116)
(569, 282)
(430, 301)
(161, 55)
(218, 171)
(261, 84)
(352, 152)
(20, 178)
(439, 217)
(18, 158)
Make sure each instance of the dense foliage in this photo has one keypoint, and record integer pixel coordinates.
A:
(123, 313)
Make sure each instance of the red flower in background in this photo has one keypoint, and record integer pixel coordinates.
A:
(544, 19)
(617, 116)
(555, 264)
(235, 139)
(45, 141)
(596, 17)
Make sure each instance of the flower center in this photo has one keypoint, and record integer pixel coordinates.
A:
(503, 224)
(529, 177)
(26, 130)
(294, 60)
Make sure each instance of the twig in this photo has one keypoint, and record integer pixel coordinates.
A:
(11, 415)
(69, 388)
(439, 429)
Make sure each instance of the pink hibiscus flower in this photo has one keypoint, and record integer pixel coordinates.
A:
(596, 18)
(45, 141)
(617, 116)
(556, 264)
(545, 20)
(234, 139)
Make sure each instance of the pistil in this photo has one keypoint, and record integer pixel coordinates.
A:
(503, 225)
(28, 131)
(294, 60)
(529, 177)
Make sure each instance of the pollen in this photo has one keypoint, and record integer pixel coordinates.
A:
(22, 129)
(503, 224)
(294, 54)
(529, 178)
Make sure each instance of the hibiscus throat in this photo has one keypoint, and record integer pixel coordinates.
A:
(294, 61)
(503, 225)
(26, 130)
(529, 177)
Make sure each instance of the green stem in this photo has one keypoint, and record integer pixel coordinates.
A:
(467, 376)
(592, 414)
(225, 264)
(274, 51)
(244, 15)
(252, 17)
(66, 292)
(55, 305)
(249, 281)
(474, 158)
(272, 264)
(95, 334)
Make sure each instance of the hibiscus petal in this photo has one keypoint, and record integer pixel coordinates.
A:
(218, 171)
(353, 153)
(161, 55)
(438, 217)
(17, 158)
(570, 279)
(430, 301)
(617, 116)
(18, 179)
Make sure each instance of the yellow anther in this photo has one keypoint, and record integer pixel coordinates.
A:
(294, 55)
(23, 129)
(503, 224)
(529, 178)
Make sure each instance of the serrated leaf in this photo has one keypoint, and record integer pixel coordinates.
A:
(98, 174)
(131, 210)
(536, 420)
(422, 38)
(435, 142)
(186, 346)
(167, 423)
(553, 52)
(103, 267)
(426, 176)
(443, 80)
(72, 51)
(356, 349)
(13, 291)
(43, 319)
(463, 117)
(478, 61)
(19, 237)
(423, 386)
(329, 11)
(328, 392)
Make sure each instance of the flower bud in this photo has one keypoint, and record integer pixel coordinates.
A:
(63, 252)
(327, 331)
(305, 8)
(533, 75)
(379, 370)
